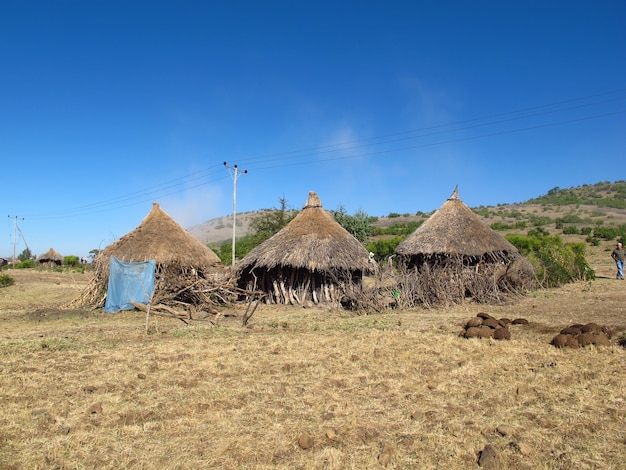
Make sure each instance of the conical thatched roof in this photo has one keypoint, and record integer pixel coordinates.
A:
(314, 241)
(160, 238)
(51, 255)
(455, 229)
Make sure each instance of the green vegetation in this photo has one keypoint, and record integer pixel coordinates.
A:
(610, 233)
(28, 263)
(555, 262)
(6, 280)
(263, 226)
(602, 195)
(71, 261)
(500, 226)
(383, 248)
(25, 255)
(540, 221)
(401, 229)
(359, 224)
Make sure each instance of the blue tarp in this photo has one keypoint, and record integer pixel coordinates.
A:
(129, 282)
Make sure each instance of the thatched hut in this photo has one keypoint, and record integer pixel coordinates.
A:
(312, 259)
(181, 260)
(50, 259)
(455, 254)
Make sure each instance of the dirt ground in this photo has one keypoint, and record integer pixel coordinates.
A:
(310, 388)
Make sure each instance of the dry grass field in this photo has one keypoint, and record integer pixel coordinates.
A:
(84, 389)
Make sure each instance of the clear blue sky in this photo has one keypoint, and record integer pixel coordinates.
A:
(107, 106)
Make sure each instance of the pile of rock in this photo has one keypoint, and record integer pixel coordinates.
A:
(487, 326)
(579, 336)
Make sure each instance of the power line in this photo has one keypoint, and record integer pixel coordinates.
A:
(295, 157)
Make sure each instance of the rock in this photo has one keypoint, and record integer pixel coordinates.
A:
(484, 315)
(89, 388)
(488, 458)
(591, 328)
(472, 332)
(572, 342)
(585, 339)
(601, 339)
(485, 332)
(521, 448)
(305, 441)
(560, 340)
(476, 321)
(63, 430)
(571, 330)
(520, 321)
(491, 323)
(385, 456)
(501, 333)
(95, 409)
(505, 430)
(384, 459)
(505, 321)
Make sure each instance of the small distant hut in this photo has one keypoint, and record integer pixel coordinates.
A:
(182, 261)
(50, 259)
(454, 254)
(312, 259)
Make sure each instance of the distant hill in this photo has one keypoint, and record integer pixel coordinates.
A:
(588, 205)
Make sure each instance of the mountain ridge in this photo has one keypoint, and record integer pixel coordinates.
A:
(589, 204)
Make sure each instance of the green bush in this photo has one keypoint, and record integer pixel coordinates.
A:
(539, 221)
(382, 249)
(570, 219)
(571, 230)
(610, 233)
(500, 226)
(586, 230)
(398, 228)
(556, 263)
(71, 261)
(27, 263)
(593, 241)
(6, 280)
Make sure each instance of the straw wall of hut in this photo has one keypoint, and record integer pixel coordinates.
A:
(182, 261)
(312, 259)
(50, 259)
(454, 254)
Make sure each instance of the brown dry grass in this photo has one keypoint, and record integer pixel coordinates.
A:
(83, 389)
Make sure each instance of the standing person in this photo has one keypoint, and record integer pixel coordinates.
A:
(618, 256)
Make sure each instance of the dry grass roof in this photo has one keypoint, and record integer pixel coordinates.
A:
(51, 255)
(313, 240)
(160, 238)
(454, 229)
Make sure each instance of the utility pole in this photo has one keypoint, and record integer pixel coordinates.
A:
(15, 233)
(236, 172)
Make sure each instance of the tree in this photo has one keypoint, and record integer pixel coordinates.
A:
(93, 253)
(359, 224)
(270, 222)
(263, 226)
(24, 255)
